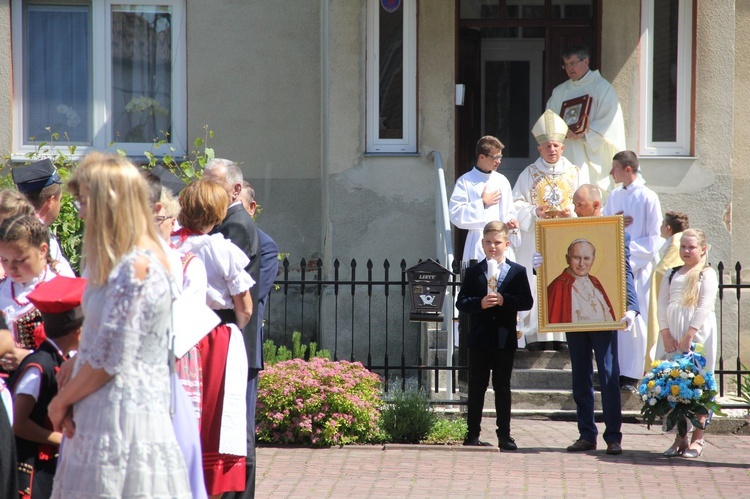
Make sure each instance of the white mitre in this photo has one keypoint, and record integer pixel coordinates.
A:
(548, 127)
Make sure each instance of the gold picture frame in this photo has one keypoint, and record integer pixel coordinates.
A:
(606, 273)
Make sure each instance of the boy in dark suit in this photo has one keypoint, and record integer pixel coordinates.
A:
(492, 303)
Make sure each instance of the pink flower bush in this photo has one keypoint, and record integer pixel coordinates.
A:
(318, 402)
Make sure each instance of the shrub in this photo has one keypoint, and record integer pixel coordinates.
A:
(273, 354)
(317, 402)
(447, 430)
(407, 416)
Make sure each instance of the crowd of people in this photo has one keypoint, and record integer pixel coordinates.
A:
(109, 388)
(581, 172)
(108, 391)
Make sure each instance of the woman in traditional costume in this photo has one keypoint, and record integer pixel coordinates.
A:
(203, 205)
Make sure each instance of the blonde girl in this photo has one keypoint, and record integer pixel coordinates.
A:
(687, 297)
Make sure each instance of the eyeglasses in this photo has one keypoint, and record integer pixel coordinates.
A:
(499, 157)
(160, 219)
(570, 64)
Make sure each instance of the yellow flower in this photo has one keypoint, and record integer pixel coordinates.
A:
(698, 380)
(651, 384)
(675, 373)
(675, 390)
(655, 363)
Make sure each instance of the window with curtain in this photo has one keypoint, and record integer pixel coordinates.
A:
(100, 74)
(391, 76)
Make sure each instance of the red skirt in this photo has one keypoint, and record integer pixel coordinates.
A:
(222, 472)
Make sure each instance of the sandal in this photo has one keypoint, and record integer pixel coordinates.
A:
(678, 448)
(694, 453)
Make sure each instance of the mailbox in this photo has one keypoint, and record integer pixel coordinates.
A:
(427, 284)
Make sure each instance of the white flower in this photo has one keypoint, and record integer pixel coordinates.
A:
(652, 402)
(657, 389)
(644, 397)
(650, 375)
(684, 375)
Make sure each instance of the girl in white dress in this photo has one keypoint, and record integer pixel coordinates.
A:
(686, 315)
(114, 411)
(24, 253)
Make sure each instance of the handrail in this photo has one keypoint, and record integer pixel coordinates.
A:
(445, 254)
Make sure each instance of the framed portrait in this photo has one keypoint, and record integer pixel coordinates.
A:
(581, 283)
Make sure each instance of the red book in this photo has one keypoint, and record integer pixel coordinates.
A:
(575, 113)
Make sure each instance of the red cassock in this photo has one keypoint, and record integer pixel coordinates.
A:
(559, 297)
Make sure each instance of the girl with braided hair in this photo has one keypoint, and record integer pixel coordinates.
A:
(24, 254)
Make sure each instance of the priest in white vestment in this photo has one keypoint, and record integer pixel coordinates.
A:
(543, 190)
(642, 211)
(483, 195)
(604, 136)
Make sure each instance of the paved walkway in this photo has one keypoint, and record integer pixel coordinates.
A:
(539, 468)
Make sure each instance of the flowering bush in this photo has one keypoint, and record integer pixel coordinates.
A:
(680, 389)
(318, 402)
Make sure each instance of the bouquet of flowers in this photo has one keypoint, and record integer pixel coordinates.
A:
(680, 389)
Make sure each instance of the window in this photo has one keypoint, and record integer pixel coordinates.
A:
(100, 73)
(666, 77)
(391, 76)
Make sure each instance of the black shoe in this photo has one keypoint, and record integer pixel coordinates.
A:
(506, 443)
(559, 346)
(614, 449)
(581, 445)
(628, 384)
(475, 442)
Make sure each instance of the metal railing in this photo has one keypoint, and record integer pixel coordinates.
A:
(726, 376)
(351, 312)
(445, 254)
(349, 315)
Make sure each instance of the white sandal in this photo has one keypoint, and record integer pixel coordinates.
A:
(694, 453)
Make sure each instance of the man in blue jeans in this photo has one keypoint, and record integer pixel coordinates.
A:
(587, 202)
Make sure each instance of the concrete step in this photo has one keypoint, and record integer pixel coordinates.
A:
(546, 359)
(545, 379)
(558, 400)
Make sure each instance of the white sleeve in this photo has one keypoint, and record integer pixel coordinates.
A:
(30, 383)
(663, 301)
(231, 264)
(464, 212)
(706, 299)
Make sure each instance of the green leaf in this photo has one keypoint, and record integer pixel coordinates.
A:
(121, 152)
(198, 142)
(209, 151)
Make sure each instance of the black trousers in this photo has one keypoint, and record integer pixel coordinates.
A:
(481, 362)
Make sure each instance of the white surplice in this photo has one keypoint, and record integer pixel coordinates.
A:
(528, 193)
(467, 210)
(606, 134)
(641, 203)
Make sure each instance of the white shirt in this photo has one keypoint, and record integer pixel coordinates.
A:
(467, 211)
(641, 203)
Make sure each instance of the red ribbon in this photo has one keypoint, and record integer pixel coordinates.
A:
(184, 233)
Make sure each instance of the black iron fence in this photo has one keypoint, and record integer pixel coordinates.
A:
(361, 313)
